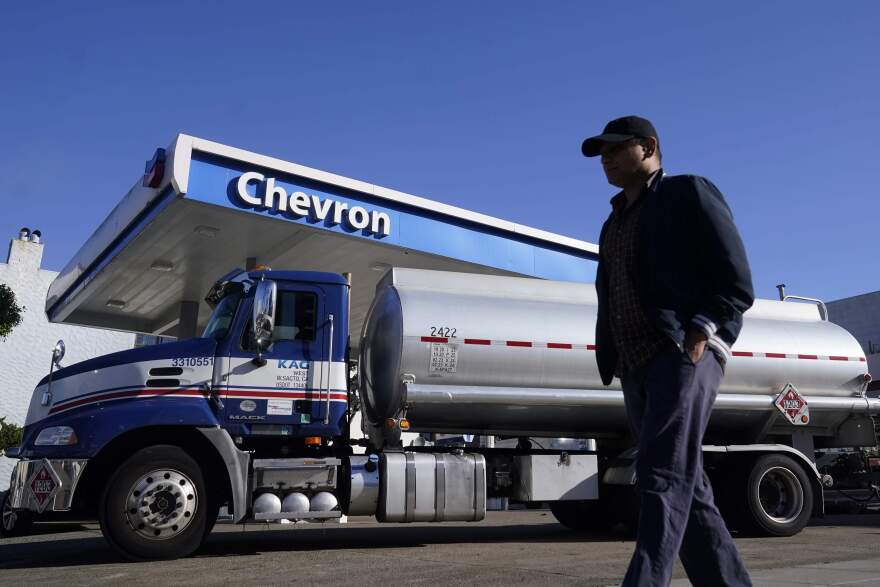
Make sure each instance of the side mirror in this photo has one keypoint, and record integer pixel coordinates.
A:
(58, 353)
(263, 320)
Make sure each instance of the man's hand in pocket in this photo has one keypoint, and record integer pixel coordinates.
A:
(695, 344)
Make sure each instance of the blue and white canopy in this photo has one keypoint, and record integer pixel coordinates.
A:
(215, 207)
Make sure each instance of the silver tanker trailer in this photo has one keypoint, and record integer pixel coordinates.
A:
(456, 353)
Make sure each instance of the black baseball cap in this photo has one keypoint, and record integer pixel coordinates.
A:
(618, 130)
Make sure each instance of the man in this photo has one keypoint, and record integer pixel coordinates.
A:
(673, 282)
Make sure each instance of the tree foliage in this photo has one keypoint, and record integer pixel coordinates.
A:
(10, 311)
(10, 434)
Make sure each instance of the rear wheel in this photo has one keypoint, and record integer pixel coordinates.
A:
(583, 516)
(14, 522)
(155, 505)
(618, 505)
(778, 496)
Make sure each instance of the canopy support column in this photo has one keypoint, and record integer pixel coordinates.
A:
(188, 325)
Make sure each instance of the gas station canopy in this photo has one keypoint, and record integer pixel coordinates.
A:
(203, 208)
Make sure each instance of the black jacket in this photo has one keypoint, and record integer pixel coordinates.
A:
(692, 269)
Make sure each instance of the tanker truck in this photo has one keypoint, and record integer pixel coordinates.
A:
(259, 414)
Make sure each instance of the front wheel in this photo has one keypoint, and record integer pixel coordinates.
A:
(14, 522)
(778, 496)
(155, 505)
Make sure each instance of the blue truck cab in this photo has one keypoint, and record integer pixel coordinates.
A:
(152, 441)
(297, 387)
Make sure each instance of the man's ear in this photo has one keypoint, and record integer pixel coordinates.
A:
(650, 146)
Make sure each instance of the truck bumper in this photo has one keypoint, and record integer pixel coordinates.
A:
(45, 485)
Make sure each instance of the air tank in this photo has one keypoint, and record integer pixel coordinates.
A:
(267, 503)
(458, 352)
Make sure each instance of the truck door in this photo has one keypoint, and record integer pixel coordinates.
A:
(287, 395)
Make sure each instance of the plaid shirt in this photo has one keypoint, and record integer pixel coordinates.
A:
(637, 339)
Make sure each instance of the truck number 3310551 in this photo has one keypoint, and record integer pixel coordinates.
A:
(192, 361)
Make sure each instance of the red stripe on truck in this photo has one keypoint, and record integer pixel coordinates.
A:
(592, 347)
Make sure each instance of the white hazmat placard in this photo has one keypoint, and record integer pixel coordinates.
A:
(444, 357)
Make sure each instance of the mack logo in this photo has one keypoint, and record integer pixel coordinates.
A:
(292, 364)
(241, 417)
(268, 196)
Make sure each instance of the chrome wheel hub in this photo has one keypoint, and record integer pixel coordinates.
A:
(161, 504)
(781, 495)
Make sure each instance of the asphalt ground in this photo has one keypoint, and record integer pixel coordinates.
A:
(507, 548)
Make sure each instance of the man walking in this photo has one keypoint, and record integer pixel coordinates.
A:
(673, 282)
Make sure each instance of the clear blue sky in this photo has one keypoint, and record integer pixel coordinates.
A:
(482, 105)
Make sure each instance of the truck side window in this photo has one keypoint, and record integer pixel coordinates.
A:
(295, 316)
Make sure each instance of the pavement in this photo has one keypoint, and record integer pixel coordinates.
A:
(507, 548)
(856, 572)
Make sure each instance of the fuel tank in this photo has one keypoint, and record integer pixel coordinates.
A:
(457, 352)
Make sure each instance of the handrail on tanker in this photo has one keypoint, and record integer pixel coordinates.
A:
(823, 310)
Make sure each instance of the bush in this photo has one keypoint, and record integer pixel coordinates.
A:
(10, 311)
(10, 434)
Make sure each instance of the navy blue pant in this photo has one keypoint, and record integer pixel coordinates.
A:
(668, 403)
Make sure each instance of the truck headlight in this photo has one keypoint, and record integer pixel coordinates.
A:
(56, 436)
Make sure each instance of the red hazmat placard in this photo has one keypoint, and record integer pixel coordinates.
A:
(793, 406)
(43, 485)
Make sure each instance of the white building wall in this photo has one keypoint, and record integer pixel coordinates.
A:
(26, 353)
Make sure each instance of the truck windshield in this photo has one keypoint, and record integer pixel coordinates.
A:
(223, 314)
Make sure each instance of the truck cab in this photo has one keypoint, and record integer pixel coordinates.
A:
(289, 380)
(265, 388)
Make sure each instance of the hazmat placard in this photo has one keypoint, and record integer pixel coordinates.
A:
(793, 406)
(44, 483)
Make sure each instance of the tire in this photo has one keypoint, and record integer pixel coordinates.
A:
(777, 497)
(155, 505)
(582, 516)
(213, 510)
(619, 504)
(13, 523)
(626, 501)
